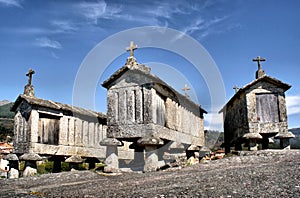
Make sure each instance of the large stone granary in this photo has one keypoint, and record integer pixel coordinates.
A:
(256, 113)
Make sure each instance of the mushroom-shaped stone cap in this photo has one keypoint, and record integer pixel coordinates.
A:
(145, 141)
(31, 157)
(176, 145)
(256, 136)
(110, 142)
(284, 135)
(11, 157)
(193, 148)
(74, 159)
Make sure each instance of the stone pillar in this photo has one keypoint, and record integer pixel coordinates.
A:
(56, 163)
(30, 163)
(13, 161)
(112, 159)
(151, 158)
(253, 137)
(30, 159)
(265, 143)
(13, 166)
(74, 161)
(151, 155)
(190, 152)
(138, 162)
(253, 146)
(285, 139)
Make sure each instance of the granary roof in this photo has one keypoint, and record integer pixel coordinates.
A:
(159, 85)
(264, 78)
(72, 110)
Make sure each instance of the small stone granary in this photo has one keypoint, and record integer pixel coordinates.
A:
(142, 111)
(256, 113)
(57, 130)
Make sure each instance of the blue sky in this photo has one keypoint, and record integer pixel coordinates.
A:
(54, 37)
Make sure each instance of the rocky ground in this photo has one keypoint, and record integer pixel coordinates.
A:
(252, 174)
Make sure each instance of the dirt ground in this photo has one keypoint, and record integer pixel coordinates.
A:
(252, 174)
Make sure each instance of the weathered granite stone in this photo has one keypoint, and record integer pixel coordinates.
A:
(29, 171)
(112, 159)
(151, 158)
(30, 157)
(13, 173)
(74, 159)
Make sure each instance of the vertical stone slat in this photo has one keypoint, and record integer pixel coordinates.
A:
(91, 134)
(138, 106)
(131, 106)
(85, 133)
(34, 126)
(71, 131)
(63, 133)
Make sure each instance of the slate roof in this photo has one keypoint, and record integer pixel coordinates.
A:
(264, 78)
(144, 70)
(71, 110)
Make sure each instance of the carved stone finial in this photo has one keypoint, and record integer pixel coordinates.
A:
(29, 89)
(236, 88)
(131, 48)
(186, 89)
(131, 61)
(260, 72)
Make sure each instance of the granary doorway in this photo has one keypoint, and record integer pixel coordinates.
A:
(48, 129)
(267, 107)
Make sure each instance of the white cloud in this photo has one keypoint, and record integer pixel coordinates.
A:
(54, 55)
(213, 121)
(48, 43)
(97, 10)
(63, 26)
(293, 104)
(12, 3)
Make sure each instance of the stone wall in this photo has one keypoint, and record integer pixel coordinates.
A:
(254, 124)
(51, 132)
(138, 107)
(235, 120)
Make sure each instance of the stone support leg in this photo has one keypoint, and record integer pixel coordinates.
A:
(112, 160)
(138, 162)
(253, 146)
(30, 163)
(151, 158)
(74, 165)
(285, 143)
(56, 166)
(265, 143)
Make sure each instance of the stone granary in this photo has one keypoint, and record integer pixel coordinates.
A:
(256, 113)
(57, 130)
(144, 110)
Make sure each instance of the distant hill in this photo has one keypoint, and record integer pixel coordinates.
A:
(4, 102)
(295, 142)
(213, 139)
(6, 120)
(5, 110)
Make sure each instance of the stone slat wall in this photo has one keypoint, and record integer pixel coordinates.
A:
(182, 120)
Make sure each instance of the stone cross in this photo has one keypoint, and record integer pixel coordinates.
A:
(185, 89)
(131, 48)
(258, 60)
(29, 74)
(236, 88)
